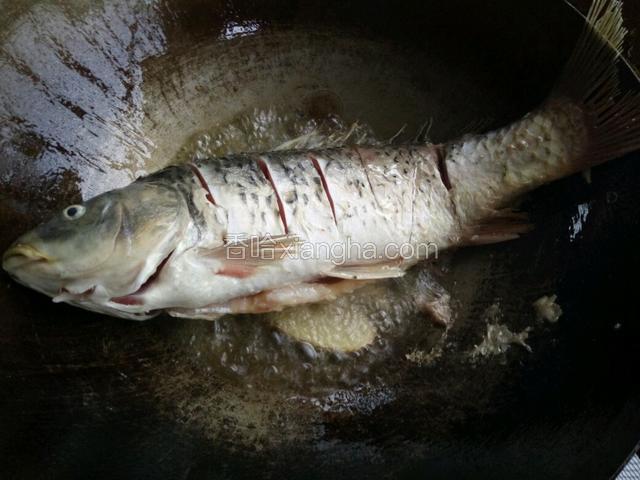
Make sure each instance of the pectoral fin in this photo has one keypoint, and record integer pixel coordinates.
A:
(254, 251)
(369, 271)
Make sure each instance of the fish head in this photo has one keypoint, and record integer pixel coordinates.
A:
(104, 247)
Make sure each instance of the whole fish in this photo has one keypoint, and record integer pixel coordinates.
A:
(259, 232)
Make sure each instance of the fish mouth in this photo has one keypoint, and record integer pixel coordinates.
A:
(20, 255)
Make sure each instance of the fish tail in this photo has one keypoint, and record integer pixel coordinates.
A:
(591, 116)
(604, 86)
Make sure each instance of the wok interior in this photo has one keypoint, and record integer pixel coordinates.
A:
(95, 94)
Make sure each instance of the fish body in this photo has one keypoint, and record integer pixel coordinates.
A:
(259, 232)
(231, 228)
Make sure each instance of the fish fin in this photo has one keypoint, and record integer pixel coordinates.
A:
(594, 77)
(237, 270)
(293, 295)
(198, 314)
(368, 271)
(354, 134)
(314, 292)
(501, 226)
(275, 300)
(254, 251)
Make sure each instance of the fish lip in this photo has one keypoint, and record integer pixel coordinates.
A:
(64, 294)
(22, 254)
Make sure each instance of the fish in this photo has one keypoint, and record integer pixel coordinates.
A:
(260, 232)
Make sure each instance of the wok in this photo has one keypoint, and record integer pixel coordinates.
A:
(93, 94)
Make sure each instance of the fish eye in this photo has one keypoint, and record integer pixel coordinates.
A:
(74, 211)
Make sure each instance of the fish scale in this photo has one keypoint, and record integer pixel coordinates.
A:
(306, 206)
(374, 191)
(239, 186)
(358, 214)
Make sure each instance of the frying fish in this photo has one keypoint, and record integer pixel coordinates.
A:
(259, 232)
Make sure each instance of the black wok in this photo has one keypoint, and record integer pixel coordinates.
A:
(94, 93)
